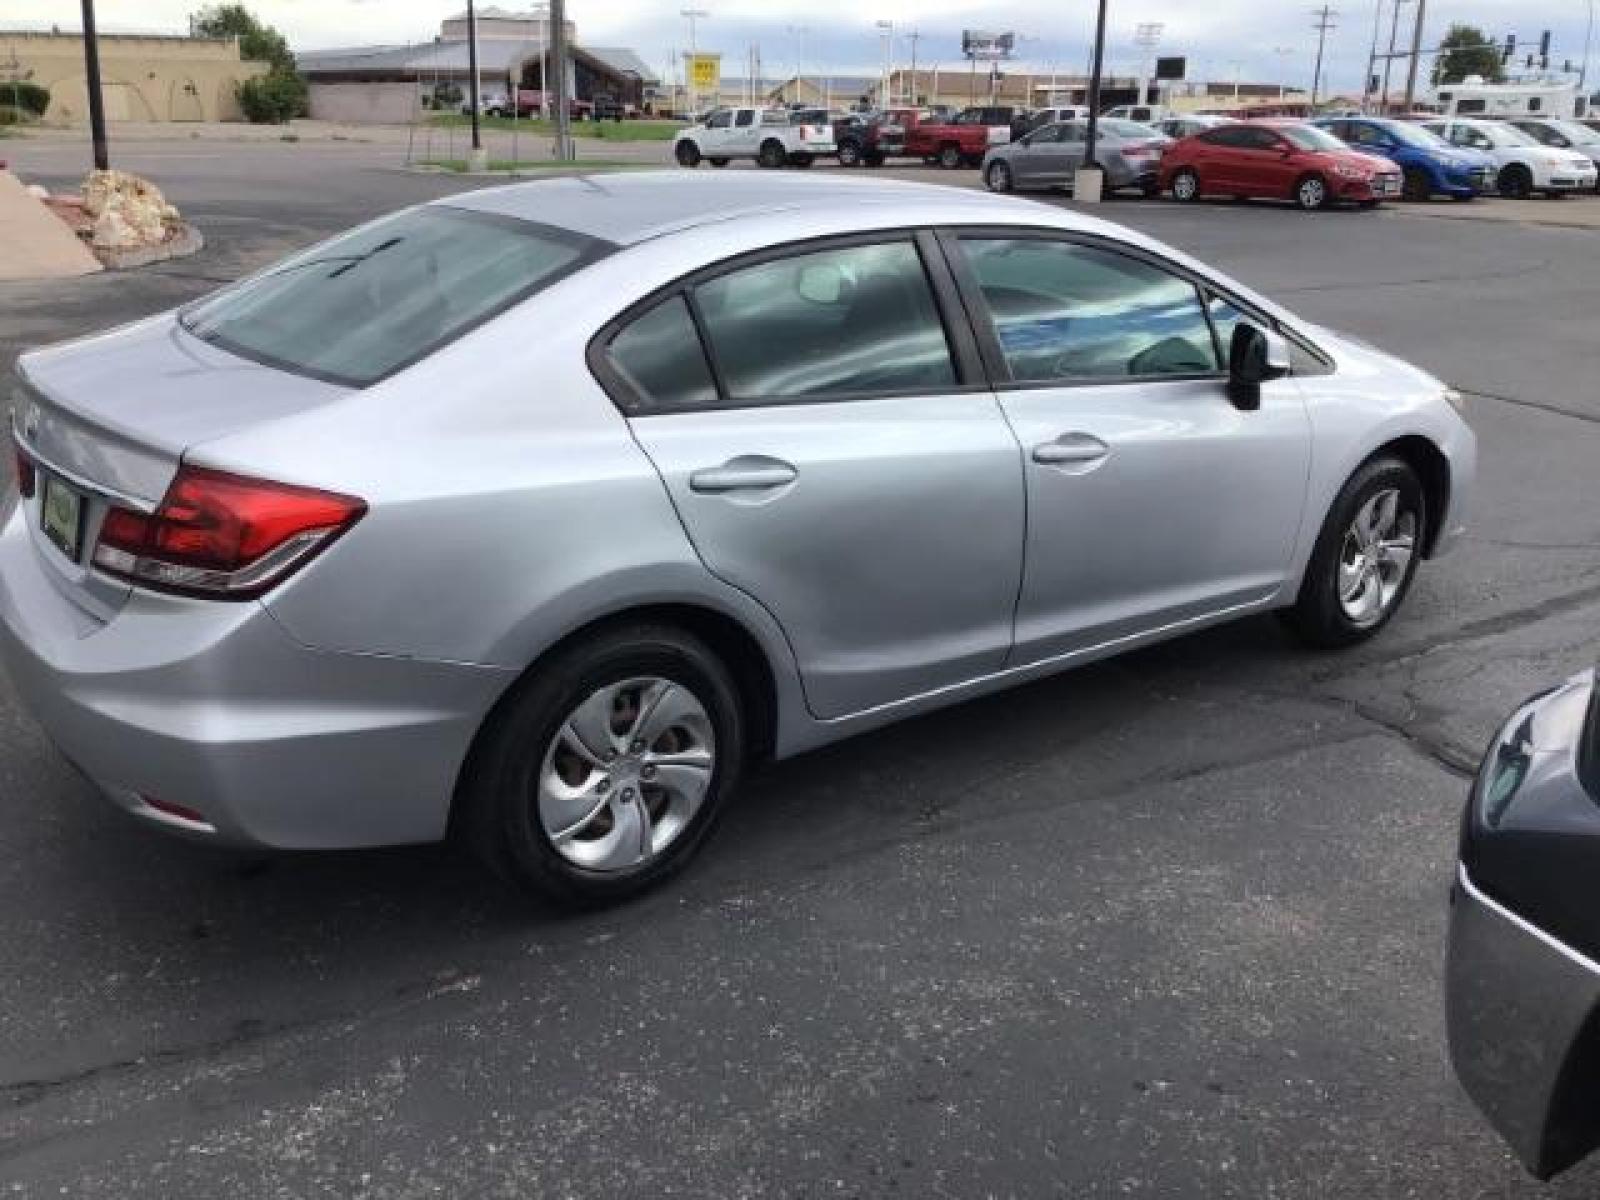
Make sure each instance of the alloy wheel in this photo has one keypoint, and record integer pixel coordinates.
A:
(998, 177)
(1185, 186)
(1375, 558)
(1312, 194)
(625, 774)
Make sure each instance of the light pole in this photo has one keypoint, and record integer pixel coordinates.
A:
(799, 31)
(476, 159)
(1588, 45)
(914, 37)
(1283, 54)
(1388, 61)
(1096, 67)
(1416, 55)
(886, 32)
(559, 52)
(91, 73)
(1372, 57)
(692, 15)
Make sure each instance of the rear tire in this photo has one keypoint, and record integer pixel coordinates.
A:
(950, 156)
(528, 774)
(1350, 592)
(850, 153)
(997, 178)
(687, 154)
(772, 154)
(1186, 186)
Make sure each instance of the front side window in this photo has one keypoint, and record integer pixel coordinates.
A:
(366, 304)
(745, 118)
(719, 119)
(661, 357)
(1064, 311)
(841, 322)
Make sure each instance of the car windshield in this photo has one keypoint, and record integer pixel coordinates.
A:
(1578, 135)
(1414, 135)
(1508, 135)
(381, 297)
(1127, 129)
(1308, 137)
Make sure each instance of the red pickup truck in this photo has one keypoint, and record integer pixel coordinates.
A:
(962, 141)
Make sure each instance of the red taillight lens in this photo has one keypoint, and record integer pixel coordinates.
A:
(223, 536)
(27, 474)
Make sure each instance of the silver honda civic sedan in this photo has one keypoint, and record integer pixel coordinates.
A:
(538, 513)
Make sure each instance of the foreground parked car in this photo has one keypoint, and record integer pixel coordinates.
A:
(1128, 153)
(1523, 975)
(538, 512)
(1267, 160)
(1429, 165)
(1524, 165)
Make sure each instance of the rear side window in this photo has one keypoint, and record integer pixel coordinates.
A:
(848, 321)
(1064, 311)
(747, 117)
(660, 355)
(366, 304)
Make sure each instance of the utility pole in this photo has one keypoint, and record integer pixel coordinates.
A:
(885, 94)
(97, 104)
(1324, 24)
(559, 52)
(1372, 57)
(915, 37)
(477, 158)
(692, 15)
(1416, 55)
(1388, 59)
(1588, 47)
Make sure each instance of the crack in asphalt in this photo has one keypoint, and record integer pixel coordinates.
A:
(1515, 401)
(1368, 285)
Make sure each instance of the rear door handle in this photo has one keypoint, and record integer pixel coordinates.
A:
(1071, 449)
(745, 474)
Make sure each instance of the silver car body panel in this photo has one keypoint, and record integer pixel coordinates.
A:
(510, 504)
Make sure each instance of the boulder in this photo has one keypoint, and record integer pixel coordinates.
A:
(127, 211)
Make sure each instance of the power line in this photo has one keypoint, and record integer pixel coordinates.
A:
(1324, 24)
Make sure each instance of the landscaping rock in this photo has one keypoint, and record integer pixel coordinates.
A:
(127, 211)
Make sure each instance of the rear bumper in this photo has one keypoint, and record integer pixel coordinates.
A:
(1522, 1007)
(214, 708)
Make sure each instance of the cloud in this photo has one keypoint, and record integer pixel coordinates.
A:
(1260, 40)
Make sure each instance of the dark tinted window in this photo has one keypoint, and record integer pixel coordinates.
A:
(363, 305)
(746, 117)
(860, 319)
(719, 119)
(1066, 311)
(661, 357)
(1233, 136)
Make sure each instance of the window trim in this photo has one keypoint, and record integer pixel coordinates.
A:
(964, 355)
(982, 323)
(590, 250)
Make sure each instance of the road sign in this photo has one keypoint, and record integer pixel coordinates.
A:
(705, 72)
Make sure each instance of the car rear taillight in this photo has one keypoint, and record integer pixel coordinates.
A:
(222, 536)
(27, 473)
(1140, 150)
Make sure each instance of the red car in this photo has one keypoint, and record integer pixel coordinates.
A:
(1276, 160)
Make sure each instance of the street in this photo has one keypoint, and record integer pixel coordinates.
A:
(1167, 926)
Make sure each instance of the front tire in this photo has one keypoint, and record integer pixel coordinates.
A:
(1365, 558)
(608, 768)
(687, 154)
(1311, 193)
(1516, 183)
(850, 153)
(1415, 185)
(997, 178)
(950, 156)
(1186, 186)
(772, 155)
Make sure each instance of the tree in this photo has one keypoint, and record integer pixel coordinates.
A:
(280, 94)
(257, 42)
(1467, 50)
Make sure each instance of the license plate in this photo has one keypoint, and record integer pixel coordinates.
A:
(61, 517)
(1388, 187)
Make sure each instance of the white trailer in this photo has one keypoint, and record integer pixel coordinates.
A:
(1496, 101)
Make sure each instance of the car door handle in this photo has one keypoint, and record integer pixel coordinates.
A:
(743, 475)
(1071, 449)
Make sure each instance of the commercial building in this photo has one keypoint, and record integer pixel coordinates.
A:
(143, 77)
(395, 84)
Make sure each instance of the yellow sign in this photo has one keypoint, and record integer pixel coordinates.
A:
(705, 72)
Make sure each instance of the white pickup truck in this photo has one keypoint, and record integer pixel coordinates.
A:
(760, 133)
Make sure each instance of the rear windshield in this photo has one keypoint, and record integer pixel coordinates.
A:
(1127, 129)
(1413, 135)
(381, 297)
(1309, 137)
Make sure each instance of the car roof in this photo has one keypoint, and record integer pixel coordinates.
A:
(628, 208)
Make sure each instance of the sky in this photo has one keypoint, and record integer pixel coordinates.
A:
(1258, 40)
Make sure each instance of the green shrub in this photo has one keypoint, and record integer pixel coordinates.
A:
(29, 97)
(14, 116)
(274, 98)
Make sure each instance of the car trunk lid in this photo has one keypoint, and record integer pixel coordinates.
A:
(107, 420)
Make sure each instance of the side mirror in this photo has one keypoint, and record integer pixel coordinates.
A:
(1255, 356)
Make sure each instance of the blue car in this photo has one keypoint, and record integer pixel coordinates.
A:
(1430, 165)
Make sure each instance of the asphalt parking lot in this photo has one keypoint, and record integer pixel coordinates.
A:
(1168, 926)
